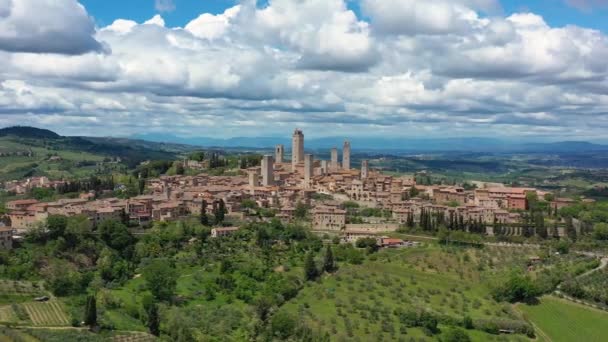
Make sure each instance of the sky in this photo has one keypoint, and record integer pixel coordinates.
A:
(388, 68)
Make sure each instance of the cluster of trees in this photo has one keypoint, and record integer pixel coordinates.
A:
(93, 183)
(517, 287)
(219, 213)
(216, 161)
(250, 160)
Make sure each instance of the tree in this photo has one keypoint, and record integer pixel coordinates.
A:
(368, 243)
(600, 231)
(142, 186)
(56, 225)
(455, 335)
(219, 212)
(153, 320)
(517, 288)
(301, 211)
(310, 268)
(161, 278)
(90, 312)
(329, 265)
(116, 235)
(204, 217)
(570, 230)
(541, 230)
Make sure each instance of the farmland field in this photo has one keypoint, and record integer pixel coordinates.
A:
(49, 313)
(565, 321)
(362, 302)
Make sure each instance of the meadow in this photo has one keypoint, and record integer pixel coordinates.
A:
(562, 320)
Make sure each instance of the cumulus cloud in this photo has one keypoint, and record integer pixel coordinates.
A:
(46, 26)
(428, 67)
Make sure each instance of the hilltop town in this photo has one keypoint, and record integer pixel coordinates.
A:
(280, 184)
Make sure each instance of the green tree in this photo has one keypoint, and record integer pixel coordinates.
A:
(329, 265)
(115, 234)
(161, 278)
(90, 312)
(570, 229)
(455, 335)
(204, 217)
(600, 231)
(301, 211)
(310, 268)
(219, 212)
(153, 321)
(56, 225)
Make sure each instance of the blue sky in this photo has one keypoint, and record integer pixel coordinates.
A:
(556, 12)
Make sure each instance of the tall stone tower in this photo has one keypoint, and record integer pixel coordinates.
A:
(279, 151)
(346, 155)
(253, 178)
(267, 171)
(297, 148)
(335, 164)
(364, 169)
(308, 170)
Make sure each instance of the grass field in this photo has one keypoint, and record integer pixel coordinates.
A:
(564, 321)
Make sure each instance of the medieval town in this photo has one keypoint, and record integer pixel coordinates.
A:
(282, 184)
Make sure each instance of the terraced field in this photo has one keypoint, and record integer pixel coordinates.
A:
(49, 313)
(13, 291)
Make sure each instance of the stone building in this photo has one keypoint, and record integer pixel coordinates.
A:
(364, 169)
(223, 231)
(334, 164)
(346, 155)
(6, 237)
(267, 171)
(308, 170)
(328, 218)
(297, 148)
(279, 152)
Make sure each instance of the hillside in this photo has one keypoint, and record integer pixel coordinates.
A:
(29, 151)
(28, 132)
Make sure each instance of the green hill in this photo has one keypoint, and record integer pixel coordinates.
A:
(29, 151)
(28, 132)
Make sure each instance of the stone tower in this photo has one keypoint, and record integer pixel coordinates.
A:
(346, 155)
(279, 151)
(267, 170)
(297, 148)
(308, 170)
(335, 164)
(364, 169)
(253, 179)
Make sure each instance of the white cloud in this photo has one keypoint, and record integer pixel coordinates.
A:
(431, 67)
(46, 26)
(156, 20)
(211, 26)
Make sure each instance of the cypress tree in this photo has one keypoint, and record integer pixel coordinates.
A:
(90, 312)
(310, 269)
(153, 320)
(329, 265)
(204, 218)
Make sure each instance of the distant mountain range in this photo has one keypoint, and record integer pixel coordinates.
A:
(389, 144)
(173, 144)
